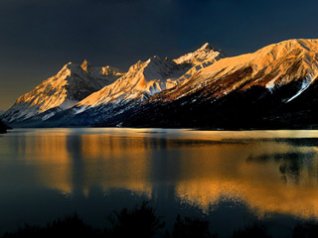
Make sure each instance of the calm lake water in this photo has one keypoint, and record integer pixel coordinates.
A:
(231, 178)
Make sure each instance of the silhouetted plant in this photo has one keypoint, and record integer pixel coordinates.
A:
(256, 230)
(306, 230)
(71, 226)
(140, 222)
(191, 228)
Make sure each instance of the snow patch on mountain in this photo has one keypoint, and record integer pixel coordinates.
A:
(304, 86)
(203, 55)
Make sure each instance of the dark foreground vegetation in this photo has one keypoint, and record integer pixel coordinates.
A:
(142, 222)
(3, 127)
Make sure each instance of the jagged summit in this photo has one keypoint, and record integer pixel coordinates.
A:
(204, 54)
(84, 65)
(72, 68)
(205, 46)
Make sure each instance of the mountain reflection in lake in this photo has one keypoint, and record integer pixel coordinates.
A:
(233, 178)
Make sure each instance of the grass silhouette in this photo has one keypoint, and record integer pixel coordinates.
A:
(142, 222)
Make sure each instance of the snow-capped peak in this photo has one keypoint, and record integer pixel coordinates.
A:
(62, 91)
(146, 78)
(274, 66)
(143, 78)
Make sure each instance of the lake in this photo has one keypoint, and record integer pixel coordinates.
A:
(230, 178)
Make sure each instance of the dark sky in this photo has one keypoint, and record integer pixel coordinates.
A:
(37, 37)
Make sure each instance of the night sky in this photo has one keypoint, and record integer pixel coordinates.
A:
(37, 37)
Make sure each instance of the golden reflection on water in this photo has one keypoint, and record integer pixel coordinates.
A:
(119, 162)
(270, 176)
(74, 163)
(49, 155)
(265, 186)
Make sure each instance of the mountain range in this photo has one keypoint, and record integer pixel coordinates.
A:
(274, 87)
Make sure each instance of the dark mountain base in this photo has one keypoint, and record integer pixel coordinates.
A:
(3, 127)
(251, 109)
(255, 108)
